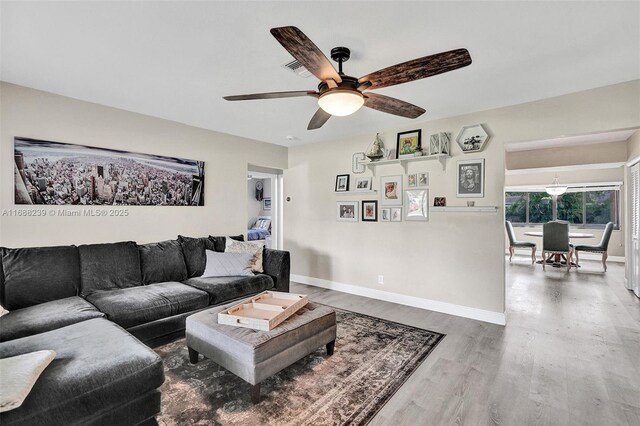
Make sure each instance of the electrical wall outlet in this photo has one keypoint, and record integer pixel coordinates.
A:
(380, 279)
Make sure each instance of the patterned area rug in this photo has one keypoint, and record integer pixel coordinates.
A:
(372, 359)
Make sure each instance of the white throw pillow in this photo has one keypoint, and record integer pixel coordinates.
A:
(227, 264)
(18, 374)
(3, 311)
(264, 224)
(253, 247)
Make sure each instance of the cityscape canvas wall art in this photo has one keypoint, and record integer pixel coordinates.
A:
(67, 174)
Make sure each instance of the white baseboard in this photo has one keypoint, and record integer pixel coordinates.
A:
(499, 318)
(598, 257)
(587, 256)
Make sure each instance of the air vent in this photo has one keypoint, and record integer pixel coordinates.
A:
(296, 67)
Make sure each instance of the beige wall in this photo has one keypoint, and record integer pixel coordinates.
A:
(633, 146)
(455, 258)
(615, 152)
(40, 115)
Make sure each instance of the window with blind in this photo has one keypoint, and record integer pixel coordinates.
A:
(583, 208)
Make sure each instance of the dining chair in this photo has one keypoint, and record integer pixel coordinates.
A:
(514, 244)
(600, 248)
(555, 240)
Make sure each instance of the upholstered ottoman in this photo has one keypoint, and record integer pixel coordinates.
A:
(254, 355)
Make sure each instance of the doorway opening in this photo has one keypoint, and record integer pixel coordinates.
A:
(264, 206)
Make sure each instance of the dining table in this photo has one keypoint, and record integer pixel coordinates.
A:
(558, 259)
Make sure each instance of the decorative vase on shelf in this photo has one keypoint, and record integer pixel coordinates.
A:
(376, 152)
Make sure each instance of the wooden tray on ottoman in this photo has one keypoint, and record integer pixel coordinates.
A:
(263, 311)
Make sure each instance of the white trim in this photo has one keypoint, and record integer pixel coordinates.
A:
(557, 169)
(583, 256)
(633, 161)
(572, 187)
(499, 318)
(463, 209)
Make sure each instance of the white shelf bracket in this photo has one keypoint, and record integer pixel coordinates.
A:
(443, 160)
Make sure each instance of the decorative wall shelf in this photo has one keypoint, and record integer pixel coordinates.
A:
(373, 192)
(442, 158)
(464, 209)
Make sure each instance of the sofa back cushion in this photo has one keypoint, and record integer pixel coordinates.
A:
(162, 262)
(109, 266)
(194, 257)
(220, 243)
(38, 274)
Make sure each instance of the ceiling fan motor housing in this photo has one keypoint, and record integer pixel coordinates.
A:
(347, 83)
(340, 54)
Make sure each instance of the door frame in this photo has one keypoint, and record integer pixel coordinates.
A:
(632, 263)
(276, 180)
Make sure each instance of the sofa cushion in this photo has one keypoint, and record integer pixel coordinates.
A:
(39, 274)
(221, 289)
(227, 264)
(162, 262)
(45, 317)
(220, 243)
(109, 266)
(194, 257)
(98, 367)
(139, 305)
(255, 248)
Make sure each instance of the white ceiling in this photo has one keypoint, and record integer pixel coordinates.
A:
(176, 60)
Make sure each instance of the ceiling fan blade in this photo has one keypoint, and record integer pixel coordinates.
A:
(392, 106)
(272, 95)
(416, 69)
(318, 119)
(306, 52)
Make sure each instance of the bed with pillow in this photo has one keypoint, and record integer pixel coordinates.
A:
(260, 230)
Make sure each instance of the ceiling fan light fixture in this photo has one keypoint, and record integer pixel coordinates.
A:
(341, 102)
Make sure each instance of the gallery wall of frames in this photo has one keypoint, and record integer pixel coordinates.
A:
(408, 196)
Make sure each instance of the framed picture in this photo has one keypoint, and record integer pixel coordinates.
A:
(60, 174)
(471, 178)
(385, 214)
(370, 210)
(408, 143)
(363, 184)
(412, 180)
(342, 183)
(347, 211)
(396, 214)
(472, 138)
(391, 190)
(423, 179)
(439, 143)
(439, 202)
(266, 204)
(416, 205)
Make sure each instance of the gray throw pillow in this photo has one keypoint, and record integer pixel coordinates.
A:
(227, 264)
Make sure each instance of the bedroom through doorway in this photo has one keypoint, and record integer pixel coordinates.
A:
(263, 208)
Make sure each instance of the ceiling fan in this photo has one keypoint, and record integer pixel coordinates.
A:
(340, 94)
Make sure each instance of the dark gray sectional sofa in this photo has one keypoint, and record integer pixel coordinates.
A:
(100, 307)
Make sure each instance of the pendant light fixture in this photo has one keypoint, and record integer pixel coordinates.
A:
(555, 188)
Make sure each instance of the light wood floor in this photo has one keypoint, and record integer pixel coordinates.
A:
(569, 355)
